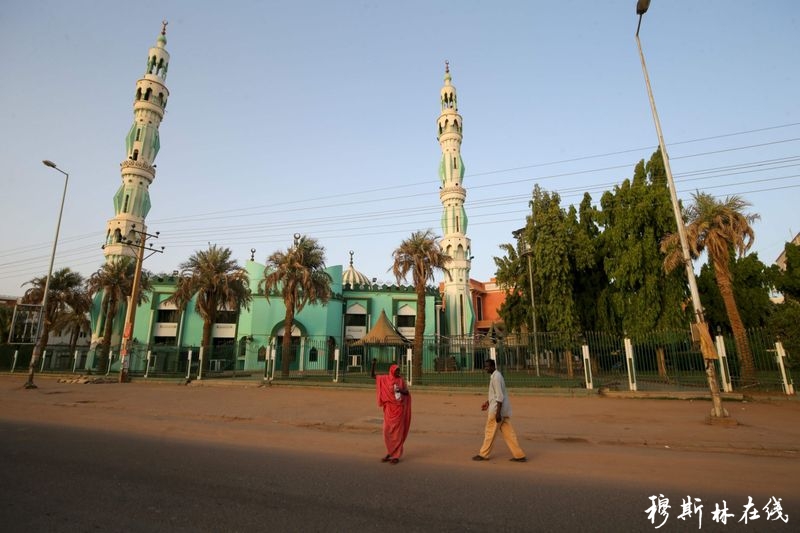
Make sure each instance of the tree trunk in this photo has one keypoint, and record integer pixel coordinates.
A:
(286, 347)
(419, 331)
(747, 365)
(662, 363)
(570, 370)
(105, 346)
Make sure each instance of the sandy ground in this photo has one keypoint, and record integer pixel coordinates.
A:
(561, 434)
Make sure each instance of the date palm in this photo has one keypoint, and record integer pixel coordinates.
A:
(115, 281)
(64, 284)
(299, 276)
(75, 319)
(218, 282)
(422, 256)
(719, 227)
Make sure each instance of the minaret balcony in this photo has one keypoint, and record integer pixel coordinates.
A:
(452, 192)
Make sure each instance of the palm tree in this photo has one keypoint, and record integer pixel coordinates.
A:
(719, 227)
(219, 283)
(75, 319)
(64, 283)
(115, 280)
(300, 277)
(421, 255)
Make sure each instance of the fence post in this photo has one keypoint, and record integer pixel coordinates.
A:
(410, 359)
(631, 367)
(336, 365)
(14, 363)
(788, 386)
(44, 358)
(75, 361)
(724, 371)
(147, 364)
(189, 366)
(587, 367)
(200, 364)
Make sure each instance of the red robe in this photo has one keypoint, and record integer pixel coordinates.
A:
(396, 413)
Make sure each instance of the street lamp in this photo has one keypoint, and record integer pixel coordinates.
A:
(529, 253)
(701, 328)
(40, 339)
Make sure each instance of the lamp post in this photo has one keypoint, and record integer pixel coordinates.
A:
(700, 327)
(529, 253)
(41, 340)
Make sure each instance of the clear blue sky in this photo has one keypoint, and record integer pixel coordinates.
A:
(319, 118)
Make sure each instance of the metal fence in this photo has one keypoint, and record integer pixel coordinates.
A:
(658, 361)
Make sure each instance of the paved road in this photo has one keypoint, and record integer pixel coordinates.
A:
(64, 479)
(242, 458)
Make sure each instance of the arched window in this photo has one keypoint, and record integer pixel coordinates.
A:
(139, 93)
(147, 93)
(135, 155)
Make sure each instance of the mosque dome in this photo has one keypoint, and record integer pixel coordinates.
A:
(353, 277)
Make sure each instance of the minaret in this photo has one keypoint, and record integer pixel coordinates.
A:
(132, 201)
(460, 317)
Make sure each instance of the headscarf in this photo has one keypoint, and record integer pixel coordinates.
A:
(384, 385)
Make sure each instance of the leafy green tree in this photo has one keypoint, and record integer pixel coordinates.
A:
(422, 256)
(557, 253)
(64, 283)
(218, 282)
(784, 323)
(751, 286)
(512, 276)
(636, 216)
(591, 281)
(299, 275)
(114, 281)
(719, 227)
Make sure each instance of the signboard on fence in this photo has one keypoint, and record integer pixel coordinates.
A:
(24, 324)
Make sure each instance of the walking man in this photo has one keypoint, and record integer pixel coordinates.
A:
(499, 417)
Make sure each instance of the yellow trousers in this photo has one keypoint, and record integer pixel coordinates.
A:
(507, 430)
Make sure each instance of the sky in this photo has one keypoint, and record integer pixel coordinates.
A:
(319, 118)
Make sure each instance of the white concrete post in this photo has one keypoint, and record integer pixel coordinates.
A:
(200, 364)
(110, 360)
(410, 358)
(75, 361)
(336, 365)
(631, 367)
(189, 366)
(788, 386)
(725, 373)
(587, 367)
(14, 363)
(147, 366)
(44, 358)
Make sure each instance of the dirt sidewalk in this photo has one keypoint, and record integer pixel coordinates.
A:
(244, 412)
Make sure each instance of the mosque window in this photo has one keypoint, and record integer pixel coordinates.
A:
(138, 133)
(139, 93)
(125, 205)
(479, 307)
(147, 93)
(135, 155)
(406, 321)
(313, 355)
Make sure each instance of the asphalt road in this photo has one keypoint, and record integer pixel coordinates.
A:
(60, 478)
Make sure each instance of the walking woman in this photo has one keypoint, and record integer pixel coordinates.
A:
(394, 398)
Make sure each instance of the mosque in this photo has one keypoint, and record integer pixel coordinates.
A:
(361, 315)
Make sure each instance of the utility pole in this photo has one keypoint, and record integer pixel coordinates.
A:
(133, 300)
(700, 328)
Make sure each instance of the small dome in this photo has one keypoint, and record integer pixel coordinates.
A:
(353, 277)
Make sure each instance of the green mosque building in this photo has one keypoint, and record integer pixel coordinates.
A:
(362, 319)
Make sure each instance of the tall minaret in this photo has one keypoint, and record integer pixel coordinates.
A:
(132, 201)
(460, 316)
